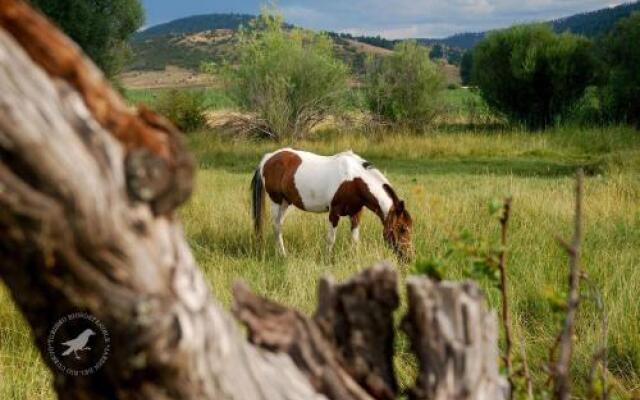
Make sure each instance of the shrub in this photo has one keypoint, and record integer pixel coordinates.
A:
(621, 53)
(289, 77)
(588, 110)
(405, 87)
(530, 74)
(185, 108)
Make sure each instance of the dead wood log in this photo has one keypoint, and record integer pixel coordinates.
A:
(72, 239)
(87, 193)
(355, 317)
(279, 329)
(455, 339)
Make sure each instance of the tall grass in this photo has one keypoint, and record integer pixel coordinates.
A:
(447, 181)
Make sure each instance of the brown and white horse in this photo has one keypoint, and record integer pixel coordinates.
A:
(342, 185)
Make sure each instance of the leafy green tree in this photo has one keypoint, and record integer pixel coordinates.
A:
(466, 67)
(437, 52)
(532, 75)
(405, 87)
(621, 95)
(101, 27)
(289, 77)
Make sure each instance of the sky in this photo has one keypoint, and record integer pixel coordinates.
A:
(393, 19)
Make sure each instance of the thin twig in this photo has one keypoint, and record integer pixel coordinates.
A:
(502, 265)
(562, 389)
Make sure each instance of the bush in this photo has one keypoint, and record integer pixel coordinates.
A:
(405, 87)
(588, 110)
(289, 77)
(185, 108)
(621, 53)
(530, 74)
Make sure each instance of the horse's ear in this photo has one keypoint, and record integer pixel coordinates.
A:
(400, 207)
(392, 194)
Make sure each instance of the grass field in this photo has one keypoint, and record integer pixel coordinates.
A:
(213, 98)
(447, 179)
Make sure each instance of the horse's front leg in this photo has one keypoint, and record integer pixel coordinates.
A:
(355, 227)
(278, 213)
(334, 218)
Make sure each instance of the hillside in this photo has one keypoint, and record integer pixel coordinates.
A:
(590, 24)
(194, 24)
(189, 50)
(186, 50)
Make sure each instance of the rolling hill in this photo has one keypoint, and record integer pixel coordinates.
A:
(187, 42)
(194, 24)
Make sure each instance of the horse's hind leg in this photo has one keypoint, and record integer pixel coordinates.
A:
(278, 213)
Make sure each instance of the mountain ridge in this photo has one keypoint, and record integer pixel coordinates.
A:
(590, 24)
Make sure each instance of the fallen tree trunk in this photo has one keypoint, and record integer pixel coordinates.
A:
(88, 189)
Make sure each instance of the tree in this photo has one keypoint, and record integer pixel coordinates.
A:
(405, 87)
(466, 67)
(532, 75)
(289, 77)
(437, 52)
(101, 27)
(622, 57)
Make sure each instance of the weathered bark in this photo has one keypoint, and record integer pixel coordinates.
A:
(357, 317)
(455, 339)
(87, 193)
(279, 329)
(159, 170)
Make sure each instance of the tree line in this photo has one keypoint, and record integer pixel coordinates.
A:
(536, 77)
(291, 79)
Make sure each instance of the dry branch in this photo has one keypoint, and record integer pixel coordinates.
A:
(561, 371)
(502, 266)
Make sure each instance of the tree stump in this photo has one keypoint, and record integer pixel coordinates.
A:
(455, 338)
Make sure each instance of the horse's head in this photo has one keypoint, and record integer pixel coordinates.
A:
(398, 226)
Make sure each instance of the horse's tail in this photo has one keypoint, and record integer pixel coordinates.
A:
(257, 201)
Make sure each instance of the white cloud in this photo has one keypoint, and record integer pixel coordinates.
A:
(428, 18)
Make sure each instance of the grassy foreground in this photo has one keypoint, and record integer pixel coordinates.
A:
(447, 181)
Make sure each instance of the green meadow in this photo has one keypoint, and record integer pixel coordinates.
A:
(448, 180)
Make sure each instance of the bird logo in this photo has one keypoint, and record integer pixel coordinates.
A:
(78, 344)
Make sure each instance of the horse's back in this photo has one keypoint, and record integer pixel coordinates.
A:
(307, 180)
(318, 178)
